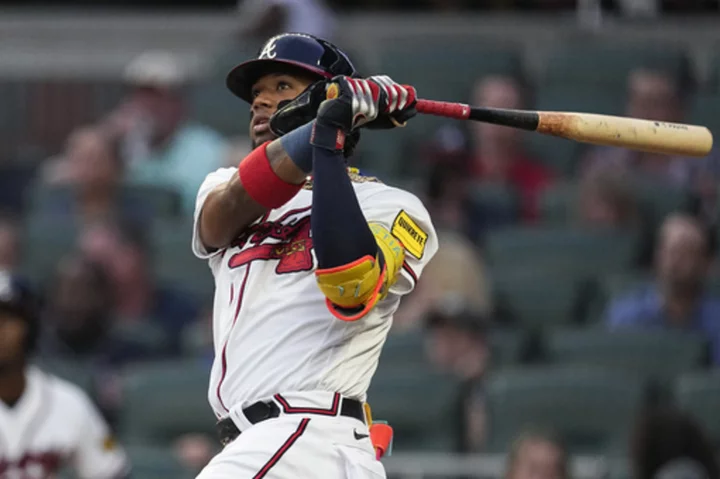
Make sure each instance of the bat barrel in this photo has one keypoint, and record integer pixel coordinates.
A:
(633, 133)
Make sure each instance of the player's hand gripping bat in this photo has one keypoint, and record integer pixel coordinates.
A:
(643, 135)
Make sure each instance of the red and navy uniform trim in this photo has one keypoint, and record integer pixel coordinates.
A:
(223, 357)
(283, 449)
(409, 271)
(288, 409)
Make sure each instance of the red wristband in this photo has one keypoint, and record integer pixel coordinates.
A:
(261, 183)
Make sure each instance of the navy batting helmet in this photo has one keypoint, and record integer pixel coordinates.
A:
(294, 51)
(17, 299)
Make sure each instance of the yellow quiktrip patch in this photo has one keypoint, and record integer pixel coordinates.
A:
(410, 234)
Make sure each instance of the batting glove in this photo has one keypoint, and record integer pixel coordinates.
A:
(398, 103)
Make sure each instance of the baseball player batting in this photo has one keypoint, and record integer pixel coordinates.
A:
(46, 424)
(310, 260)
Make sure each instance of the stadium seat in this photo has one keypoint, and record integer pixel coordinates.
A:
(161, 202)
(508, 347)
(46, 241)
(163, 401)
(699, 394)
(493, 205)
(591, 408)
(614, 286)
(705, 107)
(75, 372)
(714, 80)
(422, 407)
(212, 104)
(559, 202)
(555, 249)
(175, 263)
(156, 462)
(657, 355)
(607, 64)
(538, 301)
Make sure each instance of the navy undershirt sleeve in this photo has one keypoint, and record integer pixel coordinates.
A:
(340, 231)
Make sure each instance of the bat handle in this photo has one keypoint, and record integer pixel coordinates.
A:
(457, 111)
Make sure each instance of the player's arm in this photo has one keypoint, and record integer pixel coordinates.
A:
(357, 262)
(267, 178)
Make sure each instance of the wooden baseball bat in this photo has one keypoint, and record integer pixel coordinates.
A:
(636, 134)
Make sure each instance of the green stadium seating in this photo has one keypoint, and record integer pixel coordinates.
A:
(705, 110)
(538, 301)
(508, 347)
(439, 67)
(156, 462)
(616, 285)
(163, 401)
(559, 202)
(174, 261)
(212, 104)
(494, 202)
(75, 372)
(422, 407)
(46, 242)
(161, 202)
(714, 80)
(698, 394)
(657, 355)
(607, 64)
(592, 408)
(554, 250)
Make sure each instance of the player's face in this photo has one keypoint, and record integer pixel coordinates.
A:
(12, 338)
(267, 93)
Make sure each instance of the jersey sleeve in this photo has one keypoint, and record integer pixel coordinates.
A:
(97, 455)
(212, 181)
(404, 215)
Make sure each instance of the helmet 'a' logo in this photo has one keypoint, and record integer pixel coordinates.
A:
(268, 50)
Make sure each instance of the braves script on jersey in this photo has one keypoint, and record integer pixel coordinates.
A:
(272, 330)
(52, 426)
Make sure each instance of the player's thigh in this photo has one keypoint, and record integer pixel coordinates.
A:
(277, 449)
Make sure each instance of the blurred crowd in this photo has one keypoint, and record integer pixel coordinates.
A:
(103, 305)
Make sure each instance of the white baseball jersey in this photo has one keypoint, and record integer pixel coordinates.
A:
(272, 330)
(54, 425)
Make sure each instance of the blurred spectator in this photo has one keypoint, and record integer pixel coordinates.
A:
(78, 317)
(457, 344)
(91, 166)
(46, 422)
(678, 299)
(660, 96)
(457, 269)
(607, 200)
(499, 156)
(9, 245)
(445, 196)
(666, 443)
(264, 18)
(537, 455)
(457, 341)
(125, 255)
(159, 143)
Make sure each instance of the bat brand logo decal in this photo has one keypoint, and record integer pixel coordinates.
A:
(293, 250)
